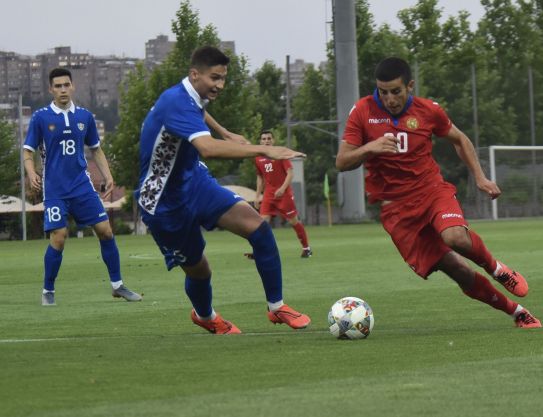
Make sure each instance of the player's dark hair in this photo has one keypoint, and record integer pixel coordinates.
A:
(265, 132)
(391, 68)
(59, 72)
(208, 56)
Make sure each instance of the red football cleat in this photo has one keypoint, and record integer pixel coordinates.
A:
(287, 315)
(526, 320)
(513, 281)
(216, 326)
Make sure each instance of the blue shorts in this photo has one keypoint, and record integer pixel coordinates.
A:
(86, 210)
(178, 232)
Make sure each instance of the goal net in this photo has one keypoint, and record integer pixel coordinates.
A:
(518, 171)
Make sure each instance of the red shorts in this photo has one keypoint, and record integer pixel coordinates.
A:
(415, 226)
(283, 206)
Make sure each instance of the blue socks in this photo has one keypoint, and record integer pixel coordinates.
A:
(51, 261)
(200, 294)
(110, 255)
(268, 264)
(267, 261)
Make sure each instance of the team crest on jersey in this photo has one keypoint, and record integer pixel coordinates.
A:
(52, 127)
(412, 123)
(81, 126)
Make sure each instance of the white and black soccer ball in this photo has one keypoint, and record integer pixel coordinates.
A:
(350, 318)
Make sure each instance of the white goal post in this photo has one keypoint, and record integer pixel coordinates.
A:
(493, 170)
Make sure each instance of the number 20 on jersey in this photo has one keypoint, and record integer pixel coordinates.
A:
(402, 140)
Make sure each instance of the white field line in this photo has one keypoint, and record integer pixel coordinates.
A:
(72, 339)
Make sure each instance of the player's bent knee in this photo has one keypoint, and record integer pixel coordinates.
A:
(454, 266)
(456, 238)
(103, 230)
(199, 271)
(293, 220)
(241, 219)
(58, 237)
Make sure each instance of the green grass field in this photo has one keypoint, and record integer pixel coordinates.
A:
(433, 351)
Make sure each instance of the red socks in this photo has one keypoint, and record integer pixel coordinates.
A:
(480, 254)
(484, 291)
(302, 236)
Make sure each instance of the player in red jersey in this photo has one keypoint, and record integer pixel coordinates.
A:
(274, 178)
(390, 132)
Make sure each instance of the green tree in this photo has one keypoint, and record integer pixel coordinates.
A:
(422, 33)
(445, 54)
(9, 159)
(233, 109)
(373, 45)
(10, 178)
(271, 93)
(514, 33)
(122, 147)
(311, 103)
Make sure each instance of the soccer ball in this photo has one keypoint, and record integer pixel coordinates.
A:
(350, 318)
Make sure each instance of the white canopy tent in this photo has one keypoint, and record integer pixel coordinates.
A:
(247, 194)
(10, 204)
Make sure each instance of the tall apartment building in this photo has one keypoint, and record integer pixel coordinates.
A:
(156, 50)
(13, 76)
(228, 45)
(96, 79)
(297, 74)
(108, 74)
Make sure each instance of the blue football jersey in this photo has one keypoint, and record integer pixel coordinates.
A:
(170, 166)
(61, 135)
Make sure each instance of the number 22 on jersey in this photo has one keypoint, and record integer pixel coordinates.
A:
(402, 140)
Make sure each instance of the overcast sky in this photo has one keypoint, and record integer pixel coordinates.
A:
(262, 29)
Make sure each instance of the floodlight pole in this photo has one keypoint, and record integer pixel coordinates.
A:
(532, 135)
(475, 110)
(350, 184)
(475, 128)
(417, 86)
(21, 165)
(288, 115)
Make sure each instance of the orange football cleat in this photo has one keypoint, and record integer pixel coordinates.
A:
(289, 316)
(513, 281)
(525, 319)
(216, 326)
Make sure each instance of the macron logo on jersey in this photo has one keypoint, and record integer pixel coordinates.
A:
(449, 215)
(373, 121)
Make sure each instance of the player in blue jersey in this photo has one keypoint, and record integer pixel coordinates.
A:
(178, 195)
(60, 132)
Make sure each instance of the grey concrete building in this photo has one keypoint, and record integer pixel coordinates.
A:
(156, 50)
(96, 79)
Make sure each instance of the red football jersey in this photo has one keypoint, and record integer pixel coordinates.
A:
(273, 173)
(413, 168)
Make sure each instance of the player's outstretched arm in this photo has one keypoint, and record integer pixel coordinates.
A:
(466, 152)
(225, 133)
(211, 148)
